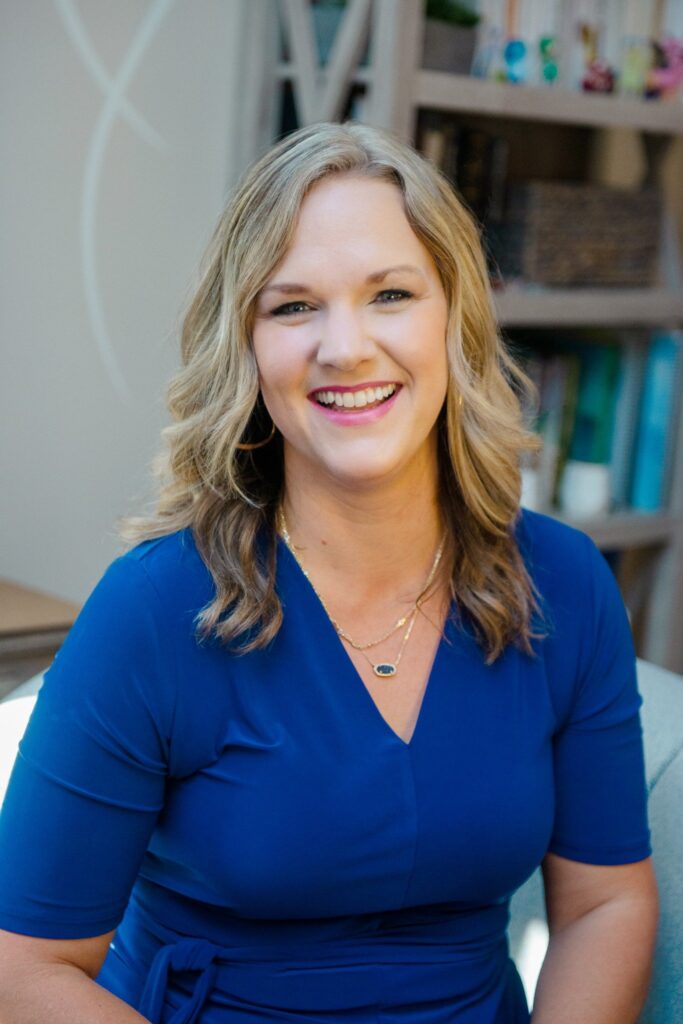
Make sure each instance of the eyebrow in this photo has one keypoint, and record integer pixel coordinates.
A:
(377, 275)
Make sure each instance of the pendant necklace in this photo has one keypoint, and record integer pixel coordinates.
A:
(383, 669)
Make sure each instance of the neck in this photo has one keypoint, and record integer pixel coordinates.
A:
(370, 541)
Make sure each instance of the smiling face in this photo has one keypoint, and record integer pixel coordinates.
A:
(351, 355)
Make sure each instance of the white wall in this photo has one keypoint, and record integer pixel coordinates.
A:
(105, 212)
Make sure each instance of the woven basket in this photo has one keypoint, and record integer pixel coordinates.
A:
(564, 234)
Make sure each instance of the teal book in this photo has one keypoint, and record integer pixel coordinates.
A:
(595, 406)
(629, 391)
(658, 412)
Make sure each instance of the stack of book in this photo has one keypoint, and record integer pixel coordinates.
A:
(473, 159)
(607, 403)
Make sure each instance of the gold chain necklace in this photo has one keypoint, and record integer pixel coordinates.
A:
(384, 669)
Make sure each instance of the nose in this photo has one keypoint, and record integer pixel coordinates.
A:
(344, 342)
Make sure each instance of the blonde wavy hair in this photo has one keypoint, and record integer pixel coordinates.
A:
(229, 497)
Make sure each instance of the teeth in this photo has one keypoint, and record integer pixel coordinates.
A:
(355, 399)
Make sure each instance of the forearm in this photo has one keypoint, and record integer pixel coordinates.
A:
(597, 969)
(61, 994)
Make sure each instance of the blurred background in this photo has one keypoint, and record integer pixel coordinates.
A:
(125, 125)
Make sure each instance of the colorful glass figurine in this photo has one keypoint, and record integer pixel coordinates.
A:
(666, 74)
(514, 55)
(547, 46)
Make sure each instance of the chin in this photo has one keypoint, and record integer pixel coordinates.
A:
(365, 469)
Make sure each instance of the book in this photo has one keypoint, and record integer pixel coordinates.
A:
(656, 425)
(595, 406)
(570, 395)
(555, 380)
(628, 394)
(437, 140)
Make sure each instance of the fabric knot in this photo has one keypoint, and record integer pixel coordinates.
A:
(191, 954)
(184, 955)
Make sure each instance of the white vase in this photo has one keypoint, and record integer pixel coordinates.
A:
(585, 489)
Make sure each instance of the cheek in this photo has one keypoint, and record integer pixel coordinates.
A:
(282, 357)
(274, 365)
(427, 361)
(281, 379)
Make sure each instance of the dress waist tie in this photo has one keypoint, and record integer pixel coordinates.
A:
(183, 955)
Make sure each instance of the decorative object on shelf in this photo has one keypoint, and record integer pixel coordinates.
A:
(488, 60)
(585, 489)
(515, 57)
(665, 77)
(596, 74)
(548, 54)
(578, 235)
(450, 36)
(599, 77)
(515, 51)
(635, 66)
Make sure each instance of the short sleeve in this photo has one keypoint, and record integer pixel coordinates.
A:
(89, 779)
(600, 783)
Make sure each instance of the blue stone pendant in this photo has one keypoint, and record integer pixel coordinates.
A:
(384, 668)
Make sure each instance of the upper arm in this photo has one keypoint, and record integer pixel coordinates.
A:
(89, 779)
(573, 888)
(19, 952)
(598, 757)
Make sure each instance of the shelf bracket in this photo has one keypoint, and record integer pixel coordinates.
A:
(320, 94)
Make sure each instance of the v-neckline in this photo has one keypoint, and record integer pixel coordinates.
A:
(335, 641)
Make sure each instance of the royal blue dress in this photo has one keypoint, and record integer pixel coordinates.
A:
(265, 845)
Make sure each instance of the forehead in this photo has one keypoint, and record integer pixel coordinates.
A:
(356, 218)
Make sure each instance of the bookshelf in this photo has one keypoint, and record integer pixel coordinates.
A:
(394, 89)
(589, 307)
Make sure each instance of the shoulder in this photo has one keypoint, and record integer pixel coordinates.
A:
(590, 649)
(546, 542)
(576, 586)
(138, 601)
(171, 568)
(562, 560)
(166, 560)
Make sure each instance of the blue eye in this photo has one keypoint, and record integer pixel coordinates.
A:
(402, 294)
(288, 308)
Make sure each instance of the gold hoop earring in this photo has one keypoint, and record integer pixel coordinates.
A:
(258, 444)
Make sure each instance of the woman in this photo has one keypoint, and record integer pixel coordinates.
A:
(342, 696)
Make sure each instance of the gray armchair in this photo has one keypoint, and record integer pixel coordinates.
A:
(662, 718)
